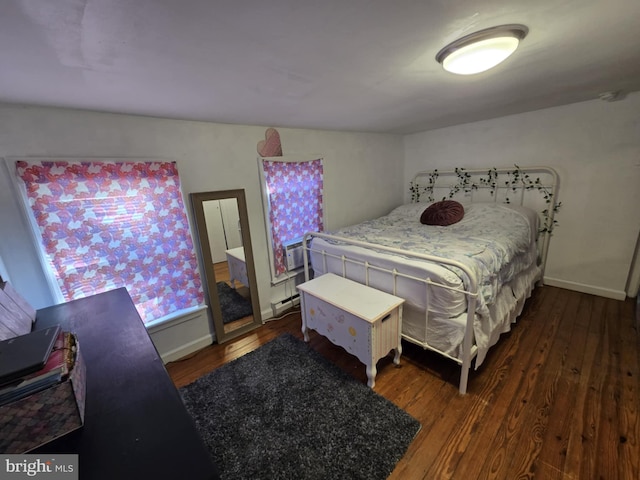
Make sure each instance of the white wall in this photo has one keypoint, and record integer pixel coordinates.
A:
(595, 147)
(363, 172)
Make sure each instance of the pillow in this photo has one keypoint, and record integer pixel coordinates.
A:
(409, 210)
(446, 212)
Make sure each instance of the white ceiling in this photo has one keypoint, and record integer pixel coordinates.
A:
(326, 64)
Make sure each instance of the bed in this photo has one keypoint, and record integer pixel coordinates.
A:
(464, 284)
(237, 265)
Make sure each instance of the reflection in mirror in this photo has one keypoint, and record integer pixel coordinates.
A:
(225, 248)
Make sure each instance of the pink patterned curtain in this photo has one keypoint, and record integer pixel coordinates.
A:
(295, 199)
(106, 225)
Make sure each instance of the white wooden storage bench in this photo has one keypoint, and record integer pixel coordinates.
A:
(365, 322)
(237, 266)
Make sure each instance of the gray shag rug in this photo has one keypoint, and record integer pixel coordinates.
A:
(233, 305)
(283, 411)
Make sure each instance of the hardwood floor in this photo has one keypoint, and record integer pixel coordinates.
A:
(556, 398)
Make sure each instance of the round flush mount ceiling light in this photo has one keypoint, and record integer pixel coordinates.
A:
(482, 50)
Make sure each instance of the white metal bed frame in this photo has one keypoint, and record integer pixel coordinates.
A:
(469, 348)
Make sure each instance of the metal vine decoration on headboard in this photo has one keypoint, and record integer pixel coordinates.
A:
(516, 179)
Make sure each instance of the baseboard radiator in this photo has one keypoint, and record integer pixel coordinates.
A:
(285, 304)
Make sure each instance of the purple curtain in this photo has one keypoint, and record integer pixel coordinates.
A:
(295, 201)
(106, 225)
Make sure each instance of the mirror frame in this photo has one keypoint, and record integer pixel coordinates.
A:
(197, 199)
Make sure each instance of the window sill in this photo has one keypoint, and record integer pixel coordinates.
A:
(174, 318)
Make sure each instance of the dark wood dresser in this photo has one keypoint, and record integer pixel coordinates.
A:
(135, 423)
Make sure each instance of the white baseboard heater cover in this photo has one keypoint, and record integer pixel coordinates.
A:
(283, 305)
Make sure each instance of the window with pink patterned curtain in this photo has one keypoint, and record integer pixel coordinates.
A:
(107, 224)
(294, 190)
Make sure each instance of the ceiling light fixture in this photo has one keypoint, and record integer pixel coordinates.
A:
(482, 50)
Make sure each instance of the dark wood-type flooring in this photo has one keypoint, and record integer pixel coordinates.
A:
(556, 398)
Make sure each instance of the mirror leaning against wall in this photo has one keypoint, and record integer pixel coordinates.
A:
(222, 223)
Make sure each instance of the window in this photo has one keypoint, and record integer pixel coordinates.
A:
(294, 203)
(107, 224)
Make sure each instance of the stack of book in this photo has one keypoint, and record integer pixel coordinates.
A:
(56, 369)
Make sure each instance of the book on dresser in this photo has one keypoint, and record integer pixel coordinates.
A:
(56, 369)
(25, 354)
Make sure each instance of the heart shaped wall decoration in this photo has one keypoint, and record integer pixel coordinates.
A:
(270, 146)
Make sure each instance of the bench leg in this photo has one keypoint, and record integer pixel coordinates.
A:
(371, 375)
(396, 358)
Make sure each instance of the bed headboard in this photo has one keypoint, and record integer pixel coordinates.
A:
(534, 187)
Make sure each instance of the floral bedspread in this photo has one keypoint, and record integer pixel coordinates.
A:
(487, 239)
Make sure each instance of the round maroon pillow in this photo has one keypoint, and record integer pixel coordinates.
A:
(446, 212)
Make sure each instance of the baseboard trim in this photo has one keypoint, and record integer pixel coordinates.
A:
(186, 349)
(266, 314)
(583, 288)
